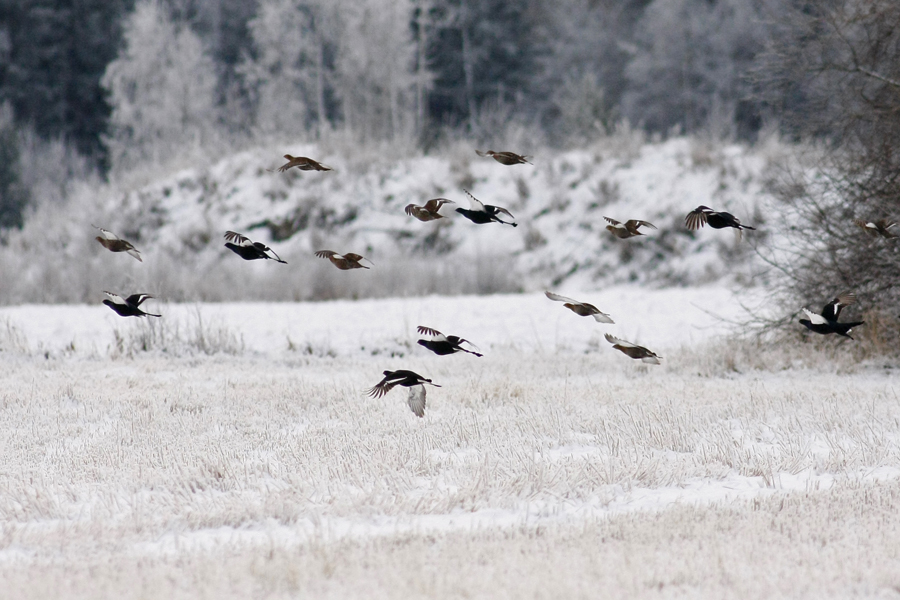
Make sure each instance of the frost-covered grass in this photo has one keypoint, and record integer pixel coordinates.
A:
(552, 467)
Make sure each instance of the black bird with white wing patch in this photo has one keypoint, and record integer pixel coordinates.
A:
(128, 307)
(481, 214)
(442, 344)
(827, 321)
(413, 381)
(249, 250)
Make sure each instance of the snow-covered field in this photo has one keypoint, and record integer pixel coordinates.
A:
(230, 451)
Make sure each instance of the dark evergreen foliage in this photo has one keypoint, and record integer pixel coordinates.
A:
(56, 53)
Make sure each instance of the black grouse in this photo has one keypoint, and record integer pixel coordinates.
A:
(128, 307)
(703, 215)
(827, 322)
(442, 344)
(484, 213)
(249, 250)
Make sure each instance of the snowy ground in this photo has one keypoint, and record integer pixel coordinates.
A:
(552, 467)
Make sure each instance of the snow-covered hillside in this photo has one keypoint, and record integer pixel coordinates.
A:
(178, 222)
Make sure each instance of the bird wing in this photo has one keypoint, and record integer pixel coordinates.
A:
(602, 317)
(435, 204)
(483, 154)
(617, 342)
(695, 219)
(329, 254)
(814, 318)
(382, 387)
(108, 234)
(234, 237)
(638, 223)
(558, 298)
(412, 208)
(117, 299)
(613, 221)
(136, 299)
(503, 210)
(475, 202)
(432, 332)
(357, 258)
(845, 299)
(416, 400)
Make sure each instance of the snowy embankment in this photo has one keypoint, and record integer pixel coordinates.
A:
(177, 221)
(239, 455)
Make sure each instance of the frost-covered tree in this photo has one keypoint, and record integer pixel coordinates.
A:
(834, 69)
(289, 73)
(690, 61)
(376, 68)
(161, 88)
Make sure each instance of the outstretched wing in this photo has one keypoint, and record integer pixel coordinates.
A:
(482, 154)
(432, 332)
(695, 219)
(832, 310)
(814, 318)
(357, 257)
(612, 221)
(117, 299)
(329, 254)
(382, 388)
(416, 400)
(637, 223)
(108, 234)
(618, 342)
(558, 298)
(137, 299)
(411, 209)
(435, 204)
(474, 202)
(602, 317)
(237, 238)
(497, 209)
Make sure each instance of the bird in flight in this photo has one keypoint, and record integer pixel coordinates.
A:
(114, 243)
(628, 228)
(248, 250)
(880, 227)
(827, 321)
(505, 158)
(633, 350)
(582, 309)
(344, 262)
(128, 307)
(413, 381)
(442, 344)
(429, 212)
(703, 215)
(484, 213)
(303, 163)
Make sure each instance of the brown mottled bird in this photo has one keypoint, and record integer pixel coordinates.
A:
(633, 350)
(249, 250)
(628, 228)
(344, 262)
(303, 163)
(875, 228)
(582, 309)
(505, 158)
(413, 381)
(114, 243)
(429, 212)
